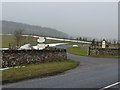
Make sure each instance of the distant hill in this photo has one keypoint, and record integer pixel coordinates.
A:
(8, 27)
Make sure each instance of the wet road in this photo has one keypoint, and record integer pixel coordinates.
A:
(91, 73)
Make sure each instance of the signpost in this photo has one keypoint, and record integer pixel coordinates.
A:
(41, 42)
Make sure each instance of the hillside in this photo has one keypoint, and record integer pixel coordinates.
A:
(8, 27)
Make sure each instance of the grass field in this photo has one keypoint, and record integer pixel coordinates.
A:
(83, 51)
(10, 39)
(77, 51)
(37, 70)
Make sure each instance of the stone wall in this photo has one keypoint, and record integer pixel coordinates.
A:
(104, 51)
(23, 57)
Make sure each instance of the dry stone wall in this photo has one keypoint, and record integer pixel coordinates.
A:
(23, 57)
(104, 51)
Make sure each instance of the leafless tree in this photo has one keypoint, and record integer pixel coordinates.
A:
(17, 35)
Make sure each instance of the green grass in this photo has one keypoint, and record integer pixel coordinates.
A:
(10, 39)
(106, 56)
(49, 41)
(82, 51)
(77, 43)
(37, 70)
(77, 51)
(6, 39)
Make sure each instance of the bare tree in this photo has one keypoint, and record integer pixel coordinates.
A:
(17, 35)
(93, 42)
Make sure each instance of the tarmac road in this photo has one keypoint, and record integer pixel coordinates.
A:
(91, 73)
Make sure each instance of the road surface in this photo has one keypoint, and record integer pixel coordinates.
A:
(91, 73)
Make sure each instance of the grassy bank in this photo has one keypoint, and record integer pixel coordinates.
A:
(37, 70)
(106, 56)
(82, 51)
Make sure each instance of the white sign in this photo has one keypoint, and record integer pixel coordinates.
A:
(103, 44)
(41, 42)
(41, 39)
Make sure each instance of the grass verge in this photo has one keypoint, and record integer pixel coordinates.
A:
(106, 56)
(77, 51)
(82, 51)
(37, 70)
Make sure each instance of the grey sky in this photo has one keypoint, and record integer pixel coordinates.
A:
(99, 20)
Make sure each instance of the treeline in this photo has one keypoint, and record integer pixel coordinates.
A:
(98, 42)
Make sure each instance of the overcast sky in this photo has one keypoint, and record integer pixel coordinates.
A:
(89, 19)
